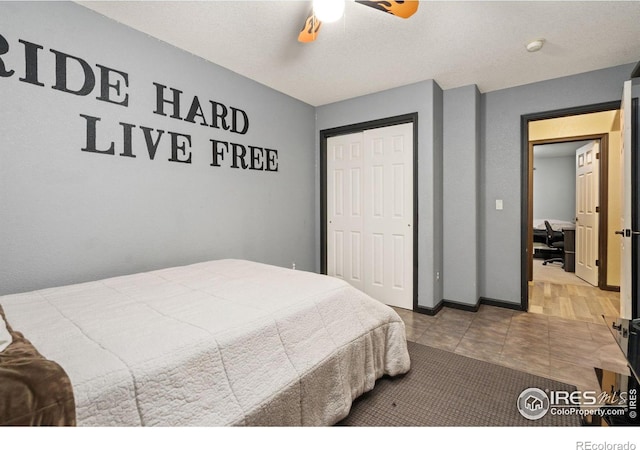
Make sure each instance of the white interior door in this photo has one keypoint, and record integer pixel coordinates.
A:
(388, 254)
(370, 212)
(345, 167)
(587, 200)
(625, 196)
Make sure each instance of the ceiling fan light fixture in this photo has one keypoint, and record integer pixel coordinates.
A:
(328, 10)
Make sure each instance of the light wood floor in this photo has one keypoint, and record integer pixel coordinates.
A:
(555, 292)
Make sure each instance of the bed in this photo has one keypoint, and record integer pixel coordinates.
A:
(540, 231)
(227, 342)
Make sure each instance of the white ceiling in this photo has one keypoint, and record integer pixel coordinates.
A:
(558, 149)
(456, 43)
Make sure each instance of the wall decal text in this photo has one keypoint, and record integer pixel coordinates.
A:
(75, 76)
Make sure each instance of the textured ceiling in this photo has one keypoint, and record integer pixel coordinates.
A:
(456, 43)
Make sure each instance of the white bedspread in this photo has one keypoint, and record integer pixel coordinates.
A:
(217, 343)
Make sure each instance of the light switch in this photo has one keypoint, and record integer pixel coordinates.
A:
(499, 205)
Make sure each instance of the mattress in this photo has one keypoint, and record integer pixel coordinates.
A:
(556, 224)
(218, 343)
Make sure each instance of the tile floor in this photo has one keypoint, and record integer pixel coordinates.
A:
(552, 347)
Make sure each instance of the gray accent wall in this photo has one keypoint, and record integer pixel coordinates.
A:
(425, 98)
(68, 216)
(437, 141)
(554, 188)
(461, 169)
(500, 246)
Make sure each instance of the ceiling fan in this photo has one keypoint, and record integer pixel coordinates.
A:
(322, 9)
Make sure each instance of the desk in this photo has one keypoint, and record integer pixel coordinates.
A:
(569, 248)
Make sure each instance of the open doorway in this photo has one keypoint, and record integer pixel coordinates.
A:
(554, 187)
(557, 142)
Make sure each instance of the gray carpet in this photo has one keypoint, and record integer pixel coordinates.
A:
(447, 389)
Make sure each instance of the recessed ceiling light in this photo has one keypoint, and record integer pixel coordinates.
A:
(536, 45)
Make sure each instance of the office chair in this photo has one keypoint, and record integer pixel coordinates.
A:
(555, 241)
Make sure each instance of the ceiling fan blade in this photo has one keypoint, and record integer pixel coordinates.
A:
(404, 9)
(309, 31)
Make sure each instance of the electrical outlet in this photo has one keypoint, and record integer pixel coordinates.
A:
(293, 265)
(437, 275)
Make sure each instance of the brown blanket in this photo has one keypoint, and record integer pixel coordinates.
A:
(33, 389)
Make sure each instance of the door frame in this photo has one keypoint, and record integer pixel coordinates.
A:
(635, 198)
(357, 128)
(603, 202)
(526, 176)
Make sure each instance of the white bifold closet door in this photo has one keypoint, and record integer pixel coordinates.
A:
(370, 212)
